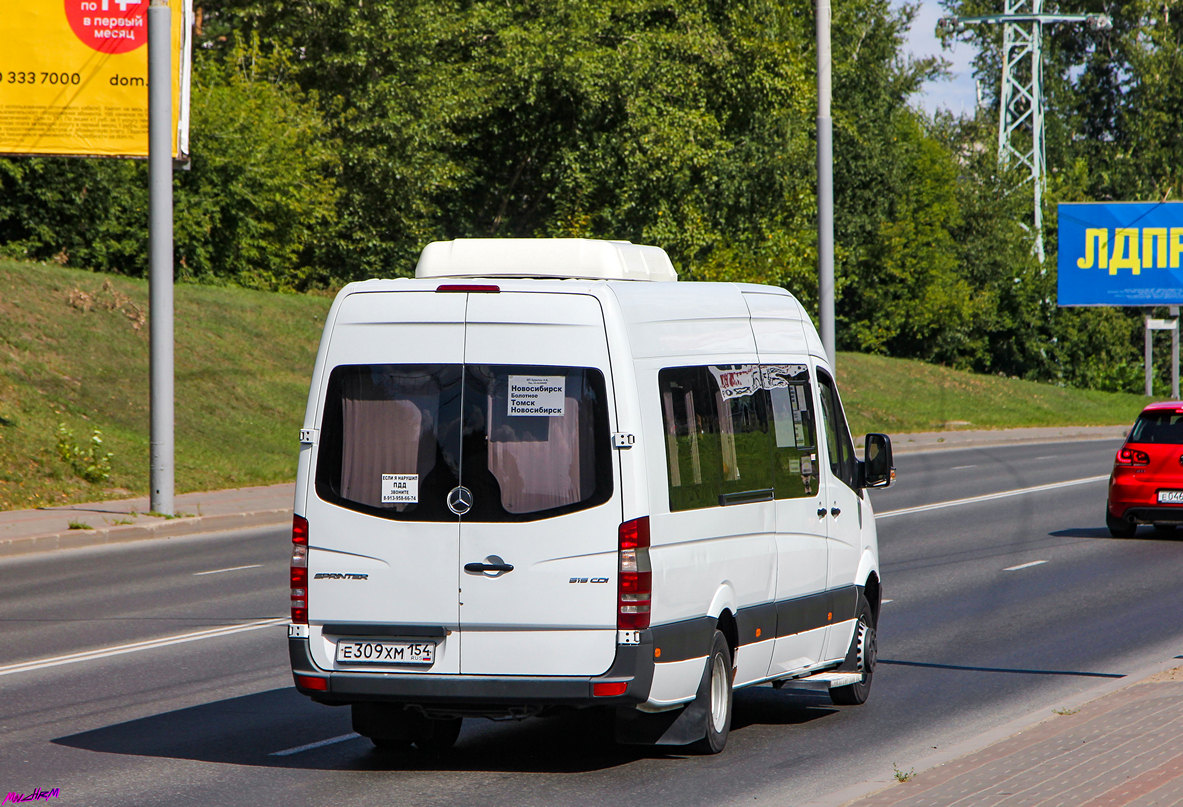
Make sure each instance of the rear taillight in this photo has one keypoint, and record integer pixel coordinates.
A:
(635, 589)
(299, 570)
(1132, 456)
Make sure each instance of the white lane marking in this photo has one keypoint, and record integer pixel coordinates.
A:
(231, 569)
(885, 602)
(135, 647)
(287, 752)
(990, 497)
(1049, 457)
(962, 467)
(1024, 566)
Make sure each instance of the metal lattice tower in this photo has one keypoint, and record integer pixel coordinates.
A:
(1021, 139)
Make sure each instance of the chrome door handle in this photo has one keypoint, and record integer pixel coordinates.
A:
(835, 511)
(821, 512)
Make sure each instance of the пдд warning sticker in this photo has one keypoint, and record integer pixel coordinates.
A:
(400, 488)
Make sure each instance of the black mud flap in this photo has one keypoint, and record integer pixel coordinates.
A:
(681, 726)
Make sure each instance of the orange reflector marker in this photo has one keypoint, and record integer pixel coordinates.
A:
(657, 652)
(757, 633)
(607, 689)
(312, 682)
(829, 616)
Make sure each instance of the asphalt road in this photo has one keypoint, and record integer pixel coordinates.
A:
(999, 608)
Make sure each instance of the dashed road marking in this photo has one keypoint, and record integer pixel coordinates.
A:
(231, 569)
(1024, 566)
(287, 752)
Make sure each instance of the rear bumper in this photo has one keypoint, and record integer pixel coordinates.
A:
(1134, 498)
(480, 694)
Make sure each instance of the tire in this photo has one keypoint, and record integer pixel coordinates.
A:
(391, 727)
(715, 695)
(436, 735)
(388, 746)
(865, 650)
(1119, 527)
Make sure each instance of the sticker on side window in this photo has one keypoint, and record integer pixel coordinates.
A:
(400, 488)
(536, 395)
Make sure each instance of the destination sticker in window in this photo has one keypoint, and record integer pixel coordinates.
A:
(537, 395)
(400, 488)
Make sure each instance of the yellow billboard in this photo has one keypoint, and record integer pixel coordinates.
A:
(74, 77)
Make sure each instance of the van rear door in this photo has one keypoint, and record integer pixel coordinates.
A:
(383, 547)
(538, 541)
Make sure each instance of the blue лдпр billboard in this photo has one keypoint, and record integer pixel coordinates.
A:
(1124, 253)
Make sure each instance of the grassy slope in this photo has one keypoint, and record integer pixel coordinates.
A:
(894, 395)
(74, 351)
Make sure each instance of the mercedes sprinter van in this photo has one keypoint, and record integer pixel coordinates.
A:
(543, 474)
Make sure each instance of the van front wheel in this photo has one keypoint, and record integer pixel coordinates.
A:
(716, 696)
(865, 649)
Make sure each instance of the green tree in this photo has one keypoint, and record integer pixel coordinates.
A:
(261, 196)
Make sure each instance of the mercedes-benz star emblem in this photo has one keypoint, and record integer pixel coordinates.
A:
(460, 500)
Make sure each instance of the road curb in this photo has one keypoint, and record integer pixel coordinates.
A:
(159, 527)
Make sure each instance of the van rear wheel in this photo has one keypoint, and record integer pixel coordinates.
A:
(392, 727)
(715, 695)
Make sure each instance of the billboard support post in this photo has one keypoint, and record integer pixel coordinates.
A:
(1148, 359)
(1171, 325)
(1175, 354)
(160, 254)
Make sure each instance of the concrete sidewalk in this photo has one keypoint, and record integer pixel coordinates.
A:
(981, 438)
(74, 525)
(1120, 749)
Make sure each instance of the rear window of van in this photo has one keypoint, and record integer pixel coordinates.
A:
(527, 442)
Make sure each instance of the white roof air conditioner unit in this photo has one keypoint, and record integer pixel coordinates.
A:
(582, 258)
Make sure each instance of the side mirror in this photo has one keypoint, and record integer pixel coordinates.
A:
(877, 470)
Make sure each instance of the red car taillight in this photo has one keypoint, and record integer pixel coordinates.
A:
(299, 570)
(1132, 456)
(635, 590)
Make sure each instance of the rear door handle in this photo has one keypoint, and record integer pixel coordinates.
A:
(821, 512)
(835, 511)
(480, 568)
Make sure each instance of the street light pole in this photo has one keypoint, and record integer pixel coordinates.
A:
(825, 186)
(160, 256)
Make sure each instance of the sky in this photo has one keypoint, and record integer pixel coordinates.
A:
(956, 93)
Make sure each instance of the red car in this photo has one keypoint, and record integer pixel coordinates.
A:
(1146, 486)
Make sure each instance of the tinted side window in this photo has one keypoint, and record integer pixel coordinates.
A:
(717, 430)
(795, 449)
(841, 449)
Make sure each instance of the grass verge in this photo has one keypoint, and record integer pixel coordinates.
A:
(74, 354)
